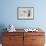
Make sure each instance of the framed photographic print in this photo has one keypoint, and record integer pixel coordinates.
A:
(25, 13)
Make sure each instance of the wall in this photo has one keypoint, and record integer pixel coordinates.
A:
(8, 13)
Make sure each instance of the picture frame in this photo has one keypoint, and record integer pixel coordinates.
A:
(25, 13)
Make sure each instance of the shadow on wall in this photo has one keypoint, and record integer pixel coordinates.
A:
(2, 26)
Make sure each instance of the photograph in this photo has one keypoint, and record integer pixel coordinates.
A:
(25, 13)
